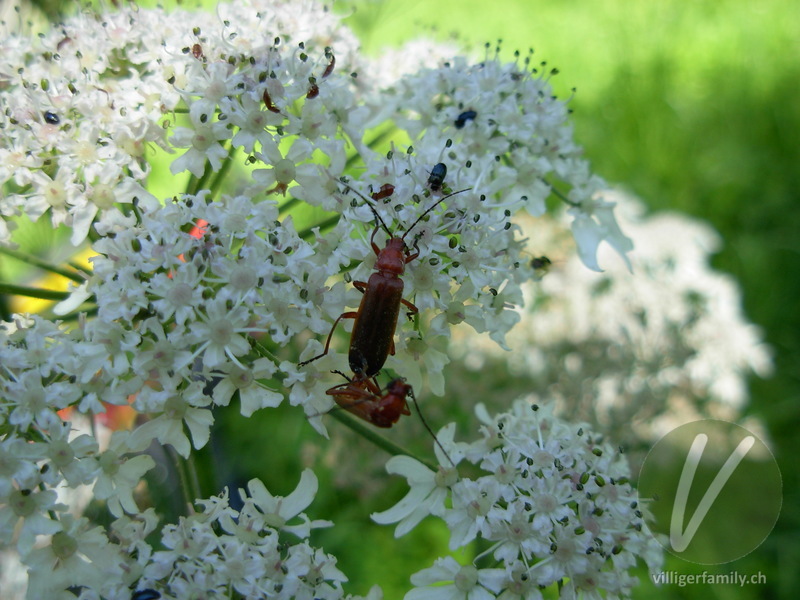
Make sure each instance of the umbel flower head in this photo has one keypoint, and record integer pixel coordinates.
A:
(554, 505)
(177, 308)
(204, 298)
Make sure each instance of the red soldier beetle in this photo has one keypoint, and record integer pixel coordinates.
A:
(372, 339)
(383, 408)
(365, 399)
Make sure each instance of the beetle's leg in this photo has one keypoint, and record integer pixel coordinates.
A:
(411, 257)
(361, 286)
(339, 389)
(356, 400)
(347, 315)
(412, 309)
(350, 391)
(337, 372)
(372, 385)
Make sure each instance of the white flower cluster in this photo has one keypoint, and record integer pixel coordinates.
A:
(497, 120)
(555, 503)
(84, 104)
(203, 299)
(634, 352)
(260, 550)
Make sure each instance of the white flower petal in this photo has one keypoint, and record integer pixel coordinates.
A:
(301, 497)
(78, 295)
(410, 468)
(403, 508)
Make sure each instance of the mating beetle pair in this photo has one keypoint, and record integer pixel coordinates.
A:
(372, 338)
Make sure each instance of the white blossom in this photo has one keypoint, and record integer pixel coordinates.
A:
(628, 351)
(555, 502)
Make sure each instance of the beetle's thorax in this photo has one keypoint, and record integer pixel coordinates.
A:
(392, 259)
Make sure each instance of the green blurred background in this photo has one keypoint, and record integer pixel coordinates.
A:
(692, 106)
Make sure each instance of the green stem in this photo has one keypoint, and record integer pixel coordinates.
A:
(380, 441)
(194, 480)
(283, 208)
(201, 183)
(198, 183)
(30, 292)
(181, 468)
(42, 264)
(80, 268)
(263, 350)
(558, 194)
(219, 177)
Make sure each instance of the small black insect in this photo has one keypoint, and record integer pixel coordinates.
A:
(145, 595)
(541, 262)
(467, 115)
(438, 173)
(51, 118)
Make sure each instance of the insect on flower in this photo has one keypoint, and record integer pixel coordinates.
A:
(540, 265)
(383, 408)
(313, 88)
(387, 189)
(467, 115)
(372, 339)
(436, 179)
(268, 102)
(145, 595)
(365, 399)
(329, 69)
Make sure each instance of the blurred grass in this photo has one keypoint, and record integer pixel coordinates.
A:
(690, 105)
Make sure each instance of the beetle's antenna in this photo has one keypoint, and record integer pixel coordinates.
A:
(372, 208)
(428, 211)
(425, 423)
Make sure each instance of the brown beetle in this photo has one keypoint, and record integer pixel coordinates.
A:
(372, 339)
(364, 399)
